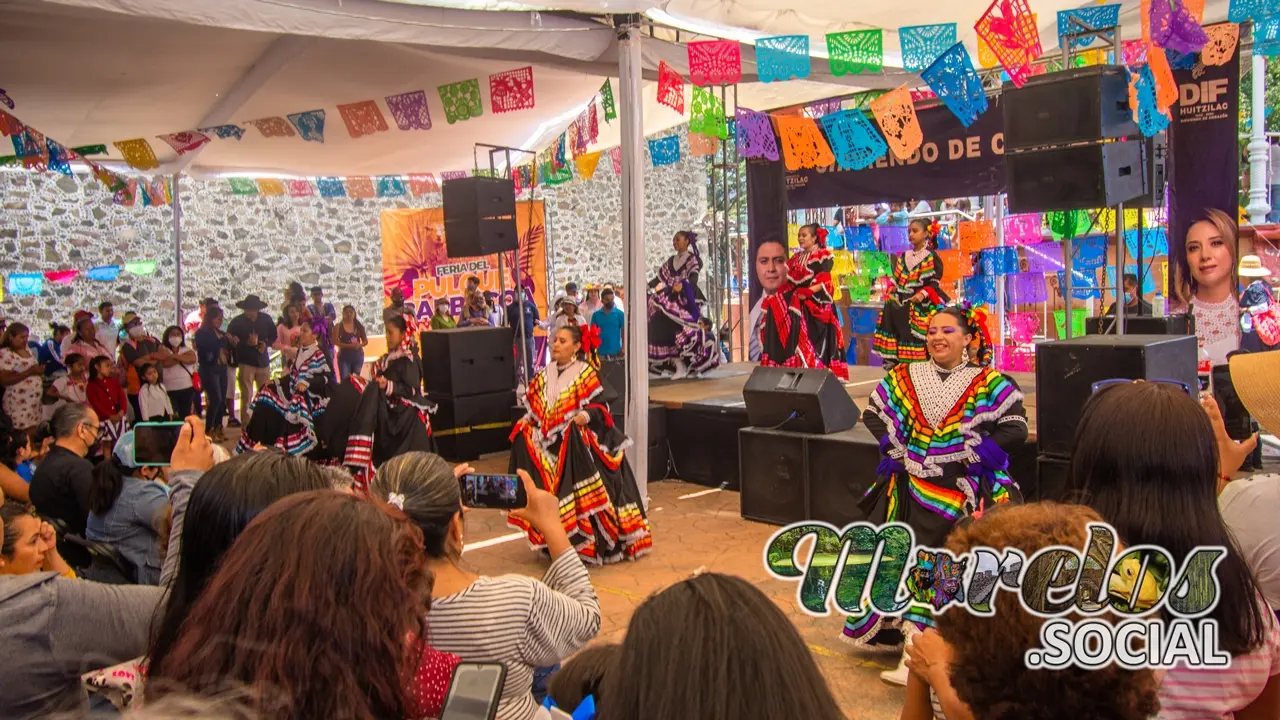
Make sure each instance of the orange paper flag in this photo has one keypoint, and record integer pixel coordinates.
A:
(975, 235)
(896, 115)
(1223, 39)
(803, 145)
(361, 187)
(1166, 86)
(270, 186)
(703, 145)
(956, 263)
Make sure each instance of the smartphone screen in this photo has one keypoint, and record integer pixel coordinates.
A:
(153, 443)
(504, 492)
(474, 691)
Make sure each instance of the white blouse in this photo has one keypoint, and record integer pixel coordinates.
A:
(1217, 327)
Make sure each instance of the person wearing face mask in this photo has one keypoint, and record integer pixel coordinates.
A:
(178, 370)
(1133, 302)
(916, 295)
(137, 350)
(939, 465)
(800, 324)
(126, 510)
(60, 487)
(213, 356)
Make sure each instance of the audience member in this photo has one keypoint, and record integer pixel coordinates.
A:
(60, 487)
(108, 400)
(30, 544)
(611, 321)
(350, 339)
(476, 311)
(12, 485)
(21, 377)
(138, 350)
(287, 333)
(324, 594)
(71, 387)
(580, 676)
(250, 334)
(127, 506)
(177, 371)
(84, 340)
(512, 619)
(688, 654)
(1156, 483)
(153, 397)
(50, 353)
(215, 361)
(442, 319)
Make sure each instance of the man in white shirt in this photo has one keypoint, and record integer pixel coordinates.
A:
(770, 265)
(108, 328)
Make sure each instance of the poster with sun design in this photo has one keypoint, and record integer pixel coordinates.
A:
(414, 259)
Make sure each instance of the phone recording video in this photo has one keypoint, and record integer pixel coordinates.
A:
(474, 691)
(153, 443)
(503, 492)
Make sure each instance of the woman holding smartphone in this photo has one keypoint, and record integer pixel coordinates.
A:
(568, 444)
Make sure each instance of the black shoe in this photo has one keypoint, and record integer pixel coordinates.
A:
(233, 423)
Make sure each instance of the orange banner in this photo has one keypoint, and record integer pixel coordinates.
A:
(414, 259)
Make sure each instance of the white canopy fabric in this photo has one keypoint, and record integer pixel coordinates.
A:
(99, 71)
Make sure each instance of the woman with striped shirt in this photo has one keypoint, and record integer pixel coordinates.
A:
(516, 620)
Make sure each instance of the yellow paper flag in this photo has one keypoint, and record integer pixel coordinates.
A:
(138, 154)
(586, 164)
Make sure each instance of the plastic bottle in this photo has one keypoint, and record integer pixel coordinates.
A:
(1204, 368)
(1158, 308)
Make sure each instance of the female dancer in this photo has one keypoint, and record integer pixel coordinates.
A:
(946, 428)
(569, 446)
(293, 404)
(675, 306)
(800, 327)
(392, 415)
(904, 320)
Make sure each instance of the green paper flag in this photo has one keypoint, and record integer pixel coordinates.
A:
(1067, 223)
(873, 265)
(856, 51)
(243, 186)
(858, 287)
(145, 267)
(606, 100)
(1077, 322)
(461, 100)
(707, 116)
(558, 177)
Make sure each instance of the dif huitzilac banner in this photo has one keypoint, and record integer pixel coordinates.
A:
(415, 260)
(1204, 151)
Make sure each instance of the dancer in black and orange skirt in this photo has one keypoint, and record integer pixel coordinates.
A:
(568, 444)
(916, 295)
(800, 326)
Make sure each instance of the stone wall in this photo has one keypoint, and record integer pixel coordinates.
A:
(235, 245)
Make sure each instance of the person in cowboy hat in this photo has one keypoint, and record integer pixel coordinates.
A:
(251, 333)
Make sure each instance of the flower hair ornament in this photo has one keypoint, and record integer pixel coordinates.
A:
(935, 229)
(822, 236)
(396, 499)
(591, 344)
(976, 319)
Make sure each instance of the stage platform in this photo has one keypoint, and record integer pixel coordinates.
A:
(705, 415)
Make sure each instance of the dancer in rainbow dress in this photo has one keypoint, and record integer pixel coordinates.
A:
(568, 444)
(801, 328)
(946, 428)
(915, 297)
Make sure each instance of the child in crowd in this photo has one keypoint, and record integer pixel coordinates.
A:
(153, 398)
(69, 388)
(15, 453)
(106, 397)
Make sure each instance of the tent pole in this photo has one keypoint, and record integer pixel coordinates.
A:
(630, 108)
(177, 250)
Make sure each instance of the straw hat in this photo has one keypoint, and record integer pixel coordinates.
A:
(1256, 378)
(1251, 266)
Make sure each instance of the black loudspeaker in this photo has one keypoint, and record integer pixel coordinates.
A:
(1141, 325)
(470, 426)
(774, 472)
(798, 400)
(1075, 178)
(467, 361)
(613, 373)
(1052, 475)
(1067, 369)
(479, 216)
(1081, 105)
(1155, 150)
(840, 472)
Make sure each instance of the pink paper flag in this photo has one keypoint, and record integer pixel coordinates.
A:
(715, 62)
(1023, 229)
(185, 142)
(616, 156)
(301, 188)
(511, 90)
(61, 277)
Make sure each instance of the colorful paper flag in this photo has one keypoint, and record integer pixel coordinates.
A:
(185, 142)
(420, 185)
(103, 273)
(390, 186)
(1008, 27)
(61, 277)
(274, 127)
(606, 101)
(141, 267)
(331, 187)
(243, 186)
(300, 187)
(670, 87)
(664, 151)
(310, 125)
(856, 51)
(25, 283)
(137, 153)
(923, 44)
(461, 100)
(361, 187)
(785, 57)
(511, 90)
(803, 145)
(409, 110)
(896, 115)
(363, 118)
(586, 165)
(270, 187)
(225, 132)
(715, 62)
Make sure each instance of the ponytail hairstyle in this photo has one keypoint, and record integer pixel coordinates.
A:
(422, 485)
(974, 322)
(931, 230)
(692, 237)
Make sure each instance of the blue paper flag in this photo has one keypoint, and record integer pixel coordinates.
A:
(1180, 61)
(1150, 120)
(331, 187)
(835, 238)
(310, 125)
(980, 289)
(1089, 252)
(859, 237)
(785, 57)
(25, 283)
(1266, 36)
(390, 186)
(103, 273)
(998, 261)
(225, 132)
(863, 319)
(955, 82)
(1154, 242)
(1098, 17)
(665, 151)
(922, 44)
(59, 157)
(855, 143)
(1084, 284)
(1255, 10)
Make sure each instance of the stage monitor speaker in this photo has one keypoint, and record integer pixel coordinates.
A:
(1075, 178)
(472, 198)
(841, 468)
(1081, 105)
(477, 237)
(467, 361)
(1067, 369)
(1142, 325)
(1053, 472)
(808, 400)
(470, 426)
(774, 476)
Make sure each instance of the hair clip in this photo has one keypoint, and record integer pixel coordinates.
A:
(396, 499)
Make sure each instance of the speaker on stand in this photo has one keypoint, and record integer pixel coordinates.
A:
(479, 216)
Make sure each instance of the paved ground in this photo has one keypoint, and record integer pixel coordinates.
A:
(694, 528)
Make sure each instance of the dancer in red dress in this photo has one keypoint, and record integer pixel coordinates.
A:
(801, 328)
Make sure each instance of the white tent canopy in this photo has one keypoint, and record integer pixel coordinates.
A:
(98, 71)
